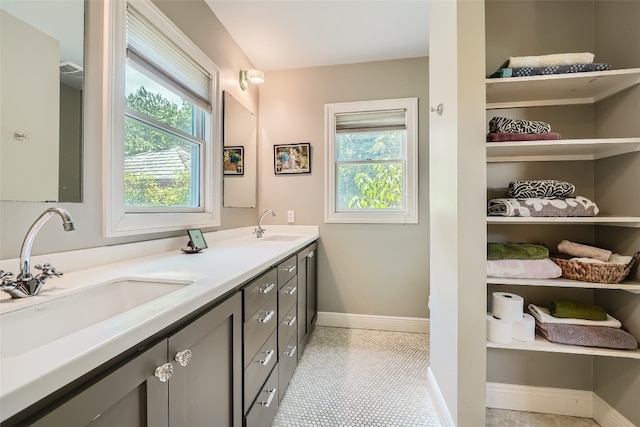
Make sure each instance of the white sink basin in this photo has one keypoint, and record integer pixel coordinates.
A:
(55, 317)
(280, 238)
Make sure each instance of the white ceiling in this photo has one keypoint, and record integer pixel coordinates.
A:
(289, 34)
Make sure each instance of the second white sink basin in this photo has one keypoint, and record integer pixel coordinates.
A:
(280, 237)
(55, 317)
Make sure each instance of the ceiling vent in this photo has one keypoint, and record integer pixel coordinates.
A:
(70, 69)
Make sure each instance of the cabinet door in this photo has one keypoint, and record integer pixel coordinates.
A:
(302, 300)
(312, 287)
(131, 396)
(207, 391)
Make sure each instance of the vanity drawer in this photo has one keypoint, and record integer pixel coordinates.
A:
(259, 292)
(287, 364)
(258, 327)
(259, 368)
(265, 407)
(287, 296)
(286, 270)
(286, 329)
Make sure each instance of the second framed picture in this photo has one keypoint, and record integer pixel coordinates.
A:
(234, 160)
(292, 158)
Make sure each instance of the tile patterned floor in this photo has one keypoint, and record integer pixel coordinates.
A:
(363, 378)
(355, 377)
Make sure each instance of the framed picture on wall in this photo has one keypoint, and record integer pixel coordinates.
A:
(292, 158)
(234, 160)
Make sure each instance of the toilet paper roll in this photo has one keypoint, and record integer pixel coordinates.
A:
(507, 306)
(525, 329)
(499, 331)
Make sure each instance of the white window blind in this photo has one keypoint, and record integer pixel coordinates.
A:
(371, 121)
(149, 48)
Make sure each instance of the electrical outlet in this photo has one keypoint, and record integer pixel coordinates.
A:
(291, 217)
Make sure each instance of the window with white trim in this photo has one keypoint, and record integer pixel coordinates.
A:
(164, 158)
(371, 161)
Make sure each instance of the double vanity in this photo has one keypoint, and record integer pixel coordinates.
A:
(167, 339)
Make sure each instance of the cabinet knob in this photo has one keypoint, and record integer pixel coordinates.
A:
(291, 290)
(289, 268)
(291, 350)
(311, 254)
(290, 320)
(183, 357)
(267, 317)
(439, 109)
(267, 288)
(266, 403)
(266, 360)
(164, 372)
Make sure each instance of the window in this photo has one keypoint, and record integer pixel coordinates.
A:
(371, 163)
(164, 153)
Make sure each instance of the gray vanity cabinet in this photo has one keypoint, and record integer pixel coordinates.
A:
(207, 391)
(307, 294)
(131, 396)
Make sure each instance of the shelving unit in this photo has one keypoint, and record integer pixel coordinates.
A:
(554, 90)
(559, 89)
(541, 344)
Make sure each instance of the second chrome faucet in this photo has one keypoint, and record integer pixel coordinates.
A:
(259, 231)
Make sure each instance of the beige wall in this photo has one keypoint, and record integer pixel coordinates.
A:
(363, 268)
(202, 26)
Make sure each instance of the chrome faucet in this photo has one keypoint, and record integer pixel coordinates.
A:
(259, 231)
(26, 284)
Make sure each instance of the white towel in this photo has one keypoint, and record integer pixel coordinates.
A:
(542, 314)
(613, 259)
(551, 60)
(523, 268)
(583, 251)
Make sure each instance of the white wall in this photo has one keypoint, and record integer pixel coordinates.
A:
(376, 269)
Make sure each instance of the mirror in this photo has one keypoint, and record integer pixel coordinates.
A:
(239, 135)
(42, 51)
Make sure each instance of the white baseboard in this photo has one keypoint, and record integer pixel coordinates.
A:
(606, 416)
(577, 403)
(438, 401)
(366, 321)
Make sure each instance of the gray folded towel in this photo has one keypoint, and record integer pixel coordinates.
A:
(580, 250)
(570, 207)
(588, 336)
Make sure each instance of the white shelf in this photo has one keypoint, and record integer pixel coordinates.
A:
(541, 344)
(618, 221)
(629, 286)
(558, 89)
(560, 150)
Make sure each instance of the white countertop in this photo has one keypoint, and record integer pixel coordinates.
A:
(232, 258)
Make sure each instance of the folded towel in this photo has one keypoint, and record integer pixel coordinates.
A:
(590, 336)
(523, 268)
(580, 250)
(613, 259)
(516, 251)
(543, 315)
(571, 207)
(540, 188)
(503, 137)
(548, 70)
(500, 124)
(576, 310)
(551, 59)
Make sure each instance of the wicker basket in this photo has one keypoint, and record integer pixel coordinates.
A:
(592, 272)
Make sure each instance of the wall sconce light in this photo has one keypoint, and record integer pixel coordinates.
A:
(250, 76)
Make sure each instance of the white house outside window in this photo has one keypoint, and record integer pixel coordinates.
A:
(371, 161)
